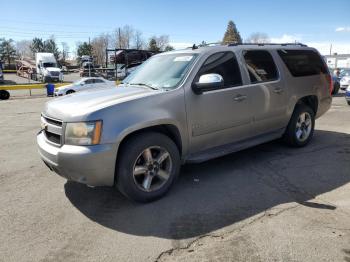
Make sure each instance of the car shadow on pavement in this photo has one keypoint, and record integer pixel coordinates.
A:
(224, 191)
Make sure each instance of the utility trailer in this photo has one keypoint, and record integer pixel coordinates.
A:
(26, 68)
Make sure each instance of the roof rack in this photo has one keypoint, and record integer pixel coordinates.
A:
(194, 46)
(247, 44)
(264, 44)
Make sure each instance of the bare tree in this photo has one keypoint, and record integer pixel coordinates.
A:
(99, 45)
(65, 51)
(162, 42)
(23, 48)
(128, 33)
(258, 38)
(139, 42)
(123, 36)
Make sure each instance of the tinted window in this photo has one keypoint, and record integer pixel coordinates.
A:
(89, 81)
(98, 81)
(261, 66)
(224, 64)
(303, 62)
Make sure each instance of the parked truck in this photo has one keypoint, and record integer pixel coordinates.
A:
(47, 69)
(44, 68)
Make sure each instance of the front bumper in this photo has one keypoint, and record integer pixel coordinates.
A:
(91, 165)
(58, 93)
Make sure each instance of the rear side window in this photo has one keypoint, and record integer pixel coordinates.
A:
(224, 64)
(303, 62)
(261, 66)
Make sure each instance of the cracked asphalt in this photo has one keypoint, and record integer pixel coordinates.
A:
(267, 203)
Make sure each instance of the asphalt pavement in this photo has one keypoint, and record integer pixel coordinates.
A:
(267, 203)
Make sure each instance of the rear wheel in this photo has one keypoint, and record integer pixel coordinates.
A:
(301, 126)
(147, 167)
(70, 92)
(348, 102)
(4, 95)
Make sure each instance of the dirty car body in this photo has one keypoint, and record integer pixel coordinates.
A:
(203, 123)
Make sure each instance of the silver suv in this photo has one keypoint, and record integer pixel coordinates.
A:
(184, 106)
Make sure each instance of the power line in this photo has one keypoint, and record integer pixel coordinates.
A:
(49, 24)
(17, 29)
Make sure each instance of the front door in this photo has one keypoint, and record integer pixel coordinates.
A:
(219, 116)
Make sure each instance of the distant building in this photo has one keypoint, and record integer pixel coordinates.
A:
(338, 61)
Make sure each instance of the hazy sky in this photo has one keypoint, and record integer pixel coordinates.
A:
(316, 23)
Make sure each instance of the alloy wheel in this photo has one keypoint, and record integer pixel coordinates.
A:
(152, 168)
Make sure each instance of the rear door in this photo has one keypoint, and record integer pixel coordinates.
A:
(269, 100)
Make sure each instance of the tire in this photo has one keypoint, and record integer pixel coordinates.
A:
(70, 92)
(142, 180)
(299, 133)
(348, 102)
(4, 95)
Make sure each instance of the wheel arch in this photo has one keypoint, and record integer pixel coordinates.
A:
(310, 100)
(69, 91)
(170, 130)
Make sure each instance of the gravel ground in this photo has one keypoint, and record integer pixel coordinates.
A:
(267, 203)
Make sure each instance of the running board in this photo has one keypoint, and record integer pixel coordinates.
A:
(233, 147)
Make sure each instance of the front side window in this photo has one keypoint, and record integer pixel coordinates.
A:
(89, 81)
(162, 71)
(224, 64)
(260, 65)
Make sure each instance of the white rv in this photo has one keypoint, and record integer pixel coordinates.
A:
(47, 68)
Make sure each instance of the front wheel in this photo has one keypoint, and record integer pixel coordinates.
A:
(301, 126)
(147, 167)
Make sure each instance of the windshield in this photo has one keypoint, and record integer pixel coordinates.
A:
(78, 82)
(162, 71)
(49, 65)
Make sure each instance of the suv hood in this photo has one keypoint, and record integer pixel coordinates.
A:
(77, 106)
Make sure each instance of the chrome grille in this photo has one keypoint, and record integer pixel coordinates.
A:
(52, 129)
(54, 73)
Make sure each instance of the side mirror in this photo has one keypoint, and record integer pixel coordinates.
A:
(208, 82)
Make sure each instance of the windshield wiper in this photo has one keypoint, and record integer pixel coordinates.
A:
(143, 84)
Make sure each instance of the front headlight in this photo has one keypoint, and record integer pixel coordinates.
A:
(83, 133)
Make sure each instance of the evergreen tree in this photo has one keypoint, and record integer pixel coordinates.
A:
(168, 48)
(51, 47)
(84, 49)
(37, 45)
(7, 50)
(152, 46)
(231, 35)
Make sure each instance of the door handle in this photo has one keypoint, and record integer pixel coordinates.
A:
(240, 98)
(278, 90)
